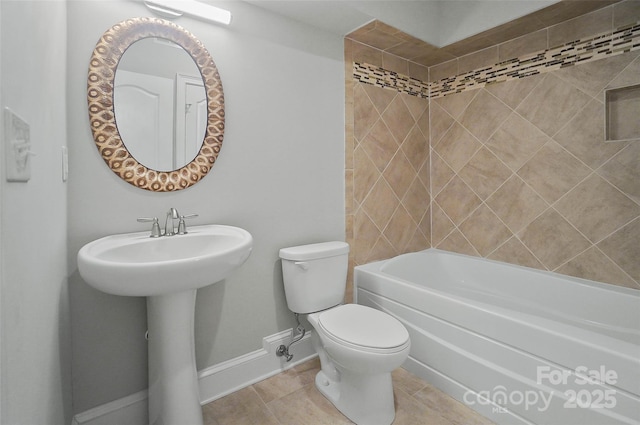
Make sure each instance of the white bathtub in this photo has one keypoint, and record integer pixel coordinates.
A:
(516, 344)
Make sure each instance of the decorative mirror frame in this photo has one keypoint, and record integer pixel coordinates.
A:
(100, 91)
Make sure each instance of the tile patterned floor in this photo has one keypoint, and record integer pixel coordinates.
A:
(290, 398)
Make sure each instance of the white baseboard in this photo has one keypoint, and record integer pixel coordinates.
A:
(230, 376)
(215, 382)
(129, 410)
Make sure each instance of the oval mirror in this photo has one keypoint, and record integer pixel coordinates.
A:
(158, 128)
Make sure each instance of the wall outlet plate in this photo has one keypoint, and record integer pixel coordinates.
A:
(17, 147)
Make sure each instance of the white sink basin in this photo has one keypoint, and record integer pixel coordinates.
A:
(134, 264)
(167, 270)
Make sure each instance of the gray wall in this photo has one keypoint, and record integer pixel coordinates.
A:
(280, 175)
(35, 339)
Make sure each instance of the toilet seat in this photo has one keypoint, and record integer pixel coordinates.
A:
(364, 328)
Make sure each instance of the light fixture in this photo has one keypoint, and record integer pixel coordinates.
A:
(177, 8)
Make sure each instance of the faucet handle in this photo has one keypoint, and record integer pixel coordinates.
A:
(182, 226)
(155, 227)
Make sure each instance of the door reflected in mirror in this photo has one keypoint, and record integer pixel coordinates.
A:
(103, 67)
(160, 104)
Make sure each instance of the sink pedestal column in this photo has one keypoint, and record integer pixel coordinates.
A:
(174, 397)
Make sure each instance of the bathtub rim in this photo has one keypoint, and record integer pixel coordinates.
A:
(377, 267)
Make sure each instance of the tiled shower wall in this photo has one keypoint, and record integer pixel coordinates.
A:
(387, 172)
(516, 171)
(521, 173)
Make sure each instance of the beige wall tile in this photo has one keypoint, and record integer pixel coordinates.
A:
(457, 147)
(366, 235)
(433, 57)
(381, 98)
(479, 59)
(364, 113)
(565, 10)
(626, 13)
(593, 264)
(552, 172)
(440, 123)
(522, 46)
(416, 200)
(397, 175)
(365, 175)
(623, 171)
(623, 248)
(516, 204)
(380, 145)
(424, 173)
(513, 251)
(441, 225)
(382, 250)
(484, 115)
(416, 147)
(379, 37)
(583, 136)
(417, 105)
(456, 242)
(443, 70)
(581, 27)
(441, 173)
(398, 119)
(419, 72)
(363, 53)
(470, 45)
(551, 104)
(348, 189)
(395, 63)
(400, 229)
(553, 240)
(484, 230)
(457, 200)
(484, 173)
(380, 204)
(592, 77)
(596, 208)
(516, 141)
(631, 74)
(513, 93)
(457, 103)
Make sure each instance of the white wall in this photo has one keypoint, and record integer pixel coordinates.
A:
(35, 337)
(280, 175)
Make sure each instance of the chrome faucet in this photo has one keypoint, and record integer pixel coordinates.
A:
(169, 225)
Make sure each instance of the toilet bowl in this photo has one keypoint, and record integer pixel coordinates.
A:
(358, 346)
(360, 355)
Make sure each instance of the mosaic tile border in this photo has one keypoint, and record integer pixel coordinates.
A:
(380, 77)
(577, 52)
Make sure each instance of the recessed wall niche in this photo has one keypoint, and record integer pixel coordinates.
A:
(621, 119)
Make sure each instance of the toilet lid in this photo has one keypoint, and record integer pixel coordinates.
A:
(364, 326)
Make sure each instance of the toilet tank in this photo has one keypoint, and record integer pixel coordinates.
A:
(315, 276)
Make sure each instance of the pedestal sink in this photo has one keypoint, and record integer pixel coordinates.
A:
(168, 271)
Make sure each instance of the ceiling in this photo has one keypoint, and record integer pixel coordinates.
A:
(437, 22)
(430, 32)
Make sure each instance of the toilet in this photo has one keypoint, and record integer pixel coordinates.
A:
(358, 346)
